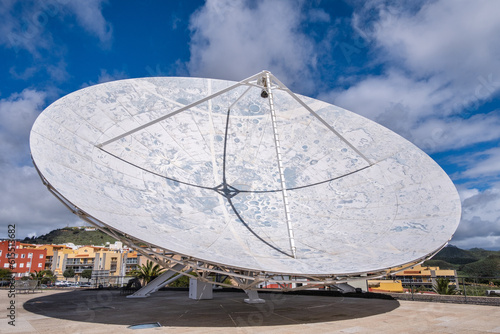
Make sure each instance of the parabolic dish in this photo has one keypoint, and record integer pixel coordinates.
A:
(295, 186)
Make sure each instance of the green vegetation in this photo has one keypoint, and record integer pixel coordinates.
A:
(182, 282)
(441, 264)
(477, 290)
(5, 273)
(43, 276)
(69, 273)
(443, 287)
(487, 267)
(475, 262)
(87, 273)
(76, 235)
(455, 255)
(147, 272)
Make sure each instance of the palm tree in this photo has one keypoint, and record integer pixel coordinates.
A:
(40, 275)
(443, 287)
(148, 272)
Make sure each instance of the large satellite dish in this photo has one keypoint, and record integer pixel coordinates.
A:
(243, 177)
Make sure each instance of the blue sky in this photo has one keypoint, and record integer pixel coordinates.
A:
(429, 71)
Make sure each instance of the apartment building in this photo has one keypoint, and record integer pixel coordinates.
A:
(113, 260)
(26, 260)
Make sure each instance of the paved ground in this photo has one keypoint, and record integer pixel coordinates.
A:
(94, 311)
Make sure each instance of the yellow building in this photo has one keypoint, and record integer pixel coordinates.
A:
(413, 277)
(425, 276)
(385, 286)
(103, 261)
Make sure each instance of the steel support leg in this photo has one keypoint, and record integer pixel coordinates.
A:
(158, 282)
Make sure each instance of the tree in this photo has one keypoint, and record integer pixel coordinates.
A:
(49, 277)
(87, 273)
(37, 275)
(443, 287)
(69, 273)
(5, 273)
(147, 272)
(43, 276)
(182, 282)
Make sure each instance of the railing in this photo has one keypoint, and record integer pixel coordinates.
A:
(476, 290)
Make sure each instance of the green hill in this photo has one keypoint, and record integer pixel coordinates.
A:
(475, 262)
(487, 267)
(441, 264)
(483, 253)
(455, 255)
(75, 235)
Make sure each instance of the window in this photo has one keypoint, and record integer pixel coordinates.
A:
(41, 256)
(0, 253)
(21, 265)
(23, 256)
(30, 255)
(39, 265)
(6, 265)
(28, 264)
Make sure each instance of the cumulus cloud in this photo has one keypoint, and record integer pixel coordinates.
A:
(17, 114)
(27, 204)
(482, 164)
(480, 225)
(24, 27)
(23, 23)
(89, 16)
(442, 37)
(452, 133)
(439, 61)
(24, 200)
(233, 40)
(104, 76)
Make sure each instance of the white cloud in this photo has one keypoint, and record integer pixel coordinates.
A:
(24, 26)
(89, 16)
(480, 224)
(453, 133)
(376, 96)
(318, 15)
(17, 114)
(442, 37)
(27, 204)
(24, 200)
(21, 27)
(104, 76)
(232, 40)
(440, 61)
(486, 164)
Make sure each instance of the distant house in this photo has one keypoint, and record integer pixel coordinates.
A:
(115, 261)
(425, 276)
(27, 259)
(416, 276)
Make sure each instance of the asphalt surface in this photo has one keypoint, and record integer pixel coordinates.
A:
(103, 311)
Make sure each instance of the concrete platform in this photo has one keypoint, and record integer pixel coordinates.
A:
(102, 311)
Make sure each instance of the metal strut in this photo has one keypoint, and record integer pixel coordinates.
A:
(280, 164)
